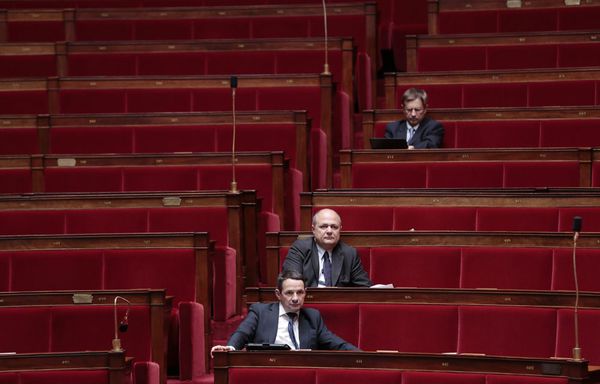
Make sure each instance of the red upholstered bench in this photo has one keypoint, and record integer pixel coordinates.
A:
(494, 330)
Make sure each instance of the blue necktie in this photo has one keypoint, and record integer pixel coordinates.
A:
(327, 270)
(411, 132)
(292, 316)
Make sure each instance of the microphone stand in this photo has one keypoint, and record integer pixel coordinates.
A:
(233, 83)
(577, 348)
(326, 65)
(116, 343)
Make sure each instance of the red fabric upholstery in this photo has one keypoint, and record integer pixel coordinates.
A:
(590, 216)
(318, 159)
(182, 219)
(366, 218)
(467, 22)
(429, 267)
(92, 140)
(19, 141)
(69, 335)
(23, 102)
(589, 338)
(102, 65)
(541, 174)
(38, 31)
(31, 222)
(515, 379)
(271, 376)
(65, 377)
(506, 268)
(15, 181)
(587, 261)
(465, 175)
(578, 18)
(454, 58)
(156, 139)
(495, 330)
(579, 55)
(28, 66)
(191, 341)
(55, 270)
(146, 372)
(409, 377)
(503, 95)
(173, 269)
(341, 319)
(496, 134)
(105, 30)
(92, 101)
(393, 175)
(530, 56)
(156, 178)
(5, 272)
(85, 179)
(584, 133)
(127, 220)
(345, 376)
(224, 283)
(412, 328)
(434, 218)
(29, 330)
(579, 93)
(517, 219)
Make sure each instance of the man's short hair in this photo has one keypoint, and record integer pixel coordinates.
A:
(414, 94)
(294, 275)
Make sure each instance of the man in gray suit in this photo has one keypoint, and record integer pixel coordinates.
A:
(285, 322)
(418, 130)
(324, 260)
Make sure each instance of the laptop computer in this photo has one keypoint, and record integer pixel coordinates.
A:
(386, 143)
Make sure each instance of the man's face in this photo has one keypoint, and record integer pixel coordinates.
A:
(326, 229)
(414, 111)
(291, 295)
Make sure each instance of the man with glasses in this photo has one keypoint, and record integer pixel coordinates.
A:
(322, 259)
(285, 322)
(418, 130)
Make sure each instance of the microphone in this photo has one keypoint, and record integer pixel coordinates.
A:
(576, 229)
(233, 82)
(121, 326)
(326, 65)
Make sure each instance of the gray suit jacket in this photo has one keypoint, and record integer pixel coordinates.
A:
(429, 135)
(260, 326)
(346, 268)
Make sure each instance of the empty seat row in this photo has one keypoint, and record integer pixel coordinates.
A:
(510, 88)
(455, 209)
(448, 16)
(469, 168)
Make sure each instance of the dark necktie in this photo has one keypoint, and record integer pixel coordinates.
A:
(292, 316)
(327, 270)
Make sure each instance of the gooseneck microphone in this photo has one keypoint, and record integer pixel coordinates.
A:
(576, 229)
(233, 83)
(326, 65)
(120, 326)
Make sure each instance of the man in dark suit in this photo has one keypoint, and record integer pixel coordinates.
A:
(418, 130)
(323, 260)
(285, 322)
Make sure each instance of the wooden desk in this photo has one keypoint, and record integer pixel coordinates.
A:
(575, 371)
(115, 363)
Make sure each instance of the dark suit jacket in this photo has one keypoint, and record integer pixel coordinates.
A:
(429, 135)
(346, 268)
(260, 326)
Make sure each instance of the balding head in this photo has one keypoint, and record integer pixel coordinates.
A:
(326, 226)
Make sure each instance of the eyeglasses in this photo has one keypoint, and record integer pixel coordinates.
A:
(415, 110)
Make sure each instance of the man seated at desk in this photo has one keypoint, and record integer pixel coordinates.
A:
(323, 259)
(285, 322)
(419, 130)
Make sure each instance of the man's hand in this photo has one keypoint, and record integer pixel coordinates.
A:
(221, 348)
